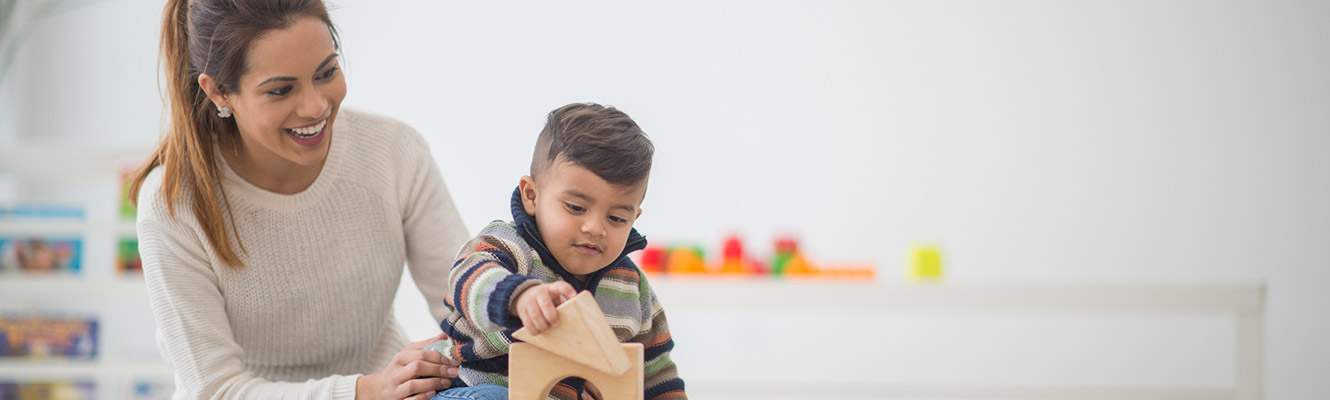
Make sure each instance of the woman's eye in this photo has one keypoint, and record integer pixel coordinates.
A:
(281, 91)
(328, 74)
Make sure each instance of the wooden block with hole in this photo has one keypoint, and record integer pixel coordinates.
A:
(583, 346)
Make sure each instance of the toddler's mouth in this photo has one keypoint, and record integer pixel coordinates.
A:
(588, 249)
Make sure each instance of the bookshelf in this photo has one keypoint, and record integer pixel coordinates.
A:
(54, 193)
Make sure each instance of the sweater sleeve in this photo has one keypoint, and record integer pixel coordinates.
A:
(431, 223)
(193, 330)
(660, 376)
(488, 276)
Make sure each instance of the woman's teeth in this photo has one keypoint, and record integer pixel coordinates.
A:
(309, 131)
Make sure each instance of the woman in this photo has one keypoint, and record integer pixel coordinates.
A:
(273, 227)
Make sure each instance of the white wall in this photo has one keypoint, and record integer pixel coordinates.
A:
(1067, 141)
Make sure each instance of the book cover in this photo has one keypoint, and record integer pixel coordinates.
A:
(37, 255)
(127, 256)
(127, 210)
(152, 389)
(40, 212)
(47, 390)
(35, 336)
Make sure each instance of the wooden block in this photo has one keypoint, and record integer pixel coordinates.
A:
(583, 336)
(533, 372)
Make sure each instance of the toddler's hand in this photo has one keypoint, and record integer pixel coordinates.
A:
(535, 306)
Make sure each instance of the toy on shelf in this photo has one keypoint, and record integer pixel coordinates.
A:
(652, 259)
(582, 345)
(925, 264)
(787, 262)
(685, 260)
(733, 260)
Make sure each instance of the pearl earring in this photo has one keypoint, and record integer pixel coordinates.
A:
(224, 112)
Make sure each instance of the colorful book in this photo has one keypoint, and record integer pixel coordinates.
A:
(38, 255)
(46, 390)
(40, 212)
(127, 256)
(36, 336)
(152, 389)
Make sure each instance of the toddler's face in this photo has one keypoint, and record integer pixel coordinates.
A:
(584, 220)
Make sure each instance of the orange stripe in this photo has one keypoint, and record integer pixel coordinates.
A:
(466, 286)
(658, 340)
(623, 274)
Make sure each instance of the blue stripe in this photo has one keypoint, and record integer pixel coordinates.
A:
(664, 387)
(498, 302)
(655, 351)
(461, 283)
(496, 365)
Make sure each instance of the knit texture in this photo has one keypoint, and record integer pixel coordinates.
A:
(507, 258)
(311, 310)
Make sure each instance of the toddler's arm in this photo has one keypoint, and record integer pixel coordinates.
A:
(535, 305)
(489, 273)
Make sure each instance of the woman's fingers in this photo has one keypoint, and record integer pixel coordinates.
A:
(421, 386)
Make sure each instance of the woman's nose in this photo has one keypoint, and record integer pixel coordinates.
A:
(312, 104)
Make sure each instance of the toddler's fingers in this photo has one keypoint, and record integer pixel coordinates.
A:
(548, 310)
(563, 290)
(538, 323)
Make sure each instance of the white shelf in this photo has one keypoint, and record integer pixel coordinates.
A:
(65, 369)
(120, 228)
(59, 292)
(45, 159)
(1245, 300)
(715, 300)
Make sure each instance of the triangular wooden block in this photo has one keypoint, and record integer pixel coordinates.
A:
(583, 335)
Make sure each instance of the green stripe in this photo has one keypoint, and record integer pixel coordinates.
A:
(496, 342)
(617, 293)
(481, 290)
(656, 364)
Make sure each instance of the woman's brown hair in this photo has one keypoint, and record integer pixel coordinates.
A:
(209, 37)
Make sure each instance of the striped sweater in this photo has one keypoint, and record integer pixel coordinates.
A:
(505, 259)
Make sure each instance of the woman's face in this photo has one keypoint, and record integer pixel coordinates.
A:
(288, 97)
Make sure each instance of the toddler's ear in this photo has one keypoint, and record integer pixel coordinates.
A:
(528, 188)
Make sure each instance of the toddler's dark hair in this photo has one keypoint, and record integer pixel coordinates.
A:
(601, 139)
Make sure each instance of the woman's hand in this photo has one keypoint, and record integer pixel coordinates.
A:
(535, 305)
(414, 374)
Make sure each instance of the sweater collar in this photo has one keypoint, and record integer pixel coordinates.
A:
(526, 226)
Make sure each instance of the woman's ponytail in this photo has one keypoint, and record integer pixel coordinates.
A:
(186, 152)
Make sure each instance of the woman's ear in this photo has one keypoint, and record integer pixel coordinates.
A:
(527, 187)
(214, 92)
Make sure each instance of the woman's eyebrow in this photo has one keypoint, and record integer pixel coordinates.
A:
(290, 78)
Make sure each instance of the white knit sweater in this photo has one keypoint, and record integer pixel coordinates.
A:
(312, 309)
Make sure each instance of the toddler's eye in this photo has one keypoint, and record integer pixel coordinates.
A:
(617, 219)
(575, 208)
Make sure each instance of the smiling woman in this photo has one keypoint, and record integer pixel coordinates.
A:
(273, 228)
(282, 105)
